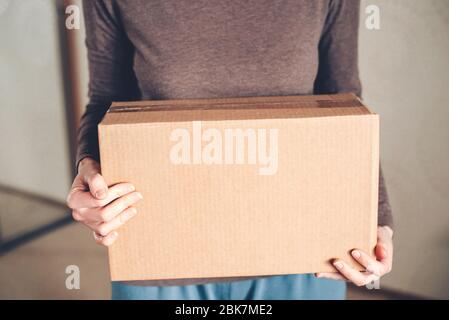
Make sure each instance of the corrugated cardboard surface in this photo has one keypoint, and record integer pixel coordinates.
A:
(223, 220)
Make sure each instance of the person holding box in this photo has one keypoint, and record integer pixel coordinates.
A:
(171, 49)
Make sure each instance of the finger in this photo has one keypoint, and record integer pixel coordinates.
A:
(368, 262)
(117, 206)
(107, 240)
(381, 252)
(330, 275)
(97, 185)
(92, 217)
(384, 247)
(117, 191)
(97, 237)
(79, 199)
(77, 187)
(385, 232)
(353, 275)
(385, 258)
(107, 227)
(338, 276)
(77, 216)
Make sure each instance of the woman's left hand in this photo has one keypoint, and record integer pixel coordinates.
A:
(375, 268)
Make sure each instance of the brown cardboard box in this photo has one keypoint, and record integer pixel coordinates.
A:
(242, 186)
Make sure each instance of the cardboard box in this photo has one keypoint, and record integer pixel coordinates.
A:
(242, 186)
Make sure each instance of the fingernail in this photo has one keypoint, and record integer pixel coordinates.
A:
(139, 195)
(114, 234)
(131, 188)
(383, 251)
(101, 194)
(133, 211)
(338, 265)
(356, 254)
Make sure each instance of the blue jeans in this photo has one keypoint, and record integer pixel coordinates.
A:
(287, 287)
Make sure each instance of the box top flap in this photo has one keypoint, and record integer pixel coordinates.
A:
(273, 107)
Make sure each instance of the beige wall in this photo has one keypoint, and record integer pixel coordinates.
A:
(405, 74)
(33, 135)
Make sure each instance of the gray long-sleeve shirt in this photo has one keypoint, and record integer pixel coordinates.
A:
(170, 49)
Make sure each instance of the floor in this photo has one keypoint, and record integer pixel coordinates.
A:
(21, 212)
(37, 269)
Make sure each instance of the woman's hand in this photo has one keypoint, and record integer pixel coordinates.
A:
(100, 208)
(375, 268)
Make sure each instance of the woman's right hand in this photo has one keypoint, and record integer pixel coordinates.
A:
(100, 208)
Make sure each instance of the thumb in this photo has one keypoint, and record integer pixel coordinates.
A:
(96, 183)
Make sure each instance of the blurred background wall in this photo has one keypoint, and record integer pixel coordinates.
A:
(405, 75)
(33, 132)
